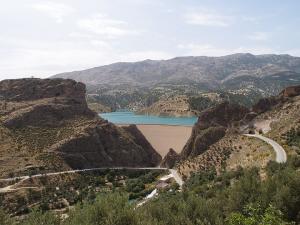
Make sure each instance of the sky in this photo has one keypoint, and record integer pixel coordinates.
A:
(43, 38)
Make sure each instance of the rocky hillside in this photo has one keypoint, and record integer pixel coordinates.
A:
(170, 159)
(280, 118)
(211, 127)
(216, 139)
(36, 102)
(173, 106)
(45, 125)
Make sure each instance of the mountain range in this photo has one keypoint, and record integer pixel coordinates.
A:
(213, 72)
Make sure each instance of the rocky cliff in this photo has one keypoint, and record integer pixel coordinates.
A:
(38, 102)
(266, 104)
(211, 127)
(46, 124)
(291, 91)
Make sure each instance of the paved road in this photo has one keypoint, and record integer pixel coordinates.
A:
(83, 170)
(280, 152)
(23, 178)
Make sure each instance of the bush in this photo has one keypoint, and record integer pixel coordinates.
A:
(4, 219)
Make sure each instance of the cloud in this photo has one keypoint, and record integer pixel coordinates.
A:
(41, 58)
(210, 50)
(259, 36)
(55, 10)
(102, 25)
(205, 17)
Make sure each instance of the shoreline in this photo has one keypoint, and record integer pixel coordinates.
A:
(153, 124)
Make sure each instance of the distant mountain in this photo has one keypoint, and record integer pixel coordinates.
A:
(211, 71)
(241, 78)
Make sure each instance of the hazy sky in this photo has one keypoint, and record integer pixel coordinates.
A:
(42, 38)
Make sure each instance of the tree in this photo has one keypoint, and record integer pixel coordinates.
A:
(253, 215)
(39, 218)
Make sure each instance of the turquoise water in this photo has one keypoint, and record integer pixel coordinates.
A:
(131, 118)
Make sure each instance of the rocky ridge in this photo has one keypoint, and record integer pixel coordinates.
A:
(211, 127)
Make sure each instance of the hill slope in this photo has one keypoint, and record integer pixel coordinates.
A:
(217, 139)
(45, 125)
(211, 71)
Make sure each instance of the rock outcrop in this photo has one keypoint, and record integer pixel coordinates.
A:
(291, 91)
(102, 144)
(223, 114)
(42, 102)
(30, 89)
(266, 104)
(177, 106)
(211, 127)
(46, 123)
(170, 159)
(140, 140)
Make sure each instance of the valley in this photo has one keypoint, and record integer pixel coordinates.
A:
(59, 157)
(149, 112)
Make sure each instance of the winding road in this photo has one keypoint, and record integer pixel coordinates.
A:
(82, 170)
(23, 178)
(281, 157)
(279, 150)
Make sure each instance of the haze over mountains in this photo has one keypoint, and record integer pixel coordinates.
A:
(211, 71)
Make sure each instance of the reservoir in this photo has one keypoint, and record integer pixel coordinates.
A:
(132, 118)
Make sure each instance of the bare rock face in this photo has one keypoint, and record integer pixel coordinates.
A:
(30, 89)
(211, 127)
(267, 104)
(291, 91)
(201, 139)
(101, 144)
(222, 114)
(170, 159)
(42, 102)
